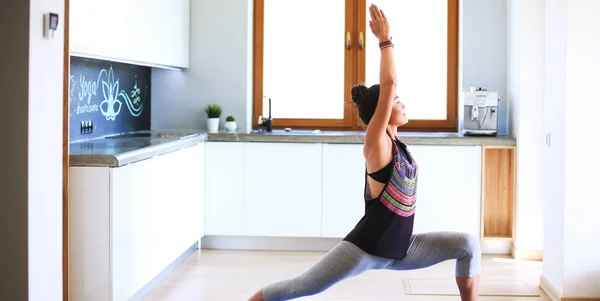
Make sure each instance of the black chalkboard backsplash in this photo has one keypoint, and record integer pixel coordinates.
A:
(109, 97)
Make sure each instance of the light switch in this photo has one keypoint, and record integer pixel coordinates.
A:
(548, 139)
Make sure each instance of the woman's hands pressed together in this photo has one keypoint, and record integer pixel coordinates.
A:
(379, 23)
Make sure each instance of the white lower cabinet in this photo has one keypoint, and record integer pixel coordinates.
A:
(449, 188)
(317, 190)
(224, 188)
(282, 189)
(128, 224)
(343, 188)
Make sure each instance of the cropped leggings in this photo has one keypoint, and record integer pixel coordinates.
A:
(347, 260)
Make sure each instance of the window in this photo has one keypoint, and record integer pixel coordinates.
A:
(309, 54)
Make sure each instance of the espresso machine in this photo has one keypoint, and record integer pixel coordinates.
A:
(480, 108)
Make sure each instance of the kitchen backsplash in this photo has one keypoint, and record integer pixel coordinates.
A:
(107, 98)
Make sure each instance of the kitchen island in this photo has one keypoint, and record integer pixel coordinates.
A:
(136, 211)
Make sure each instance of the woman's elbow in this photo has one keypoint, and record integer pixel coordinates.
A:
(391, 83)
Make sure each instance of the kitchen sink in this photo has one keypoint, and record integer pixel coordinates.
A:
(156, 135)
(287, 132)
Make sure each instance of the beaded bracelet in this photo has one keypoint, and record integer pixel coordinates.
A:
(386, 46)
(385, 43)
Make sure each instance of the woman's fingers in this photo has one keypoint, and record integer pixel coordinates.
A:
(372, 11)
(376, 12)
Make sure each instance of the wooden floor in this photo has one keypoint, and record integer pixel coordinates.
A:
(214, 275)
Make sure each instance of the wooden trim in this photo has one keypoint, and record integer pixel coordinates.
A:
(355, 73)
(259, 18)
(65, 170)
(451, 122)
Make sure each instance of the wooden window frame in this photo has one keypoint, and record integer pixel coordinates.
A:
(355, 65)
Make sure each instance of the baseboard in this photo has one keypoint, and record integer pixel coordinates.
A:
(318, 244)
(536, 255)
(262, 243)
(139, 295)
(554, 295)
(549, 289)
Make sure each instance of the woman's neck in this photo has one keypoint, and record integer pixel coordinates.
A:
(392, 131)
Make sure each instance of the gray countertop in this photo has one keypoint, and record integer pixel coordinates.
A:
(349, 137)
(121, 150)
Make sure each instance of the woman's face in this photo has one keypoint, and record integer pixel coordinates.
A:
(398, 117)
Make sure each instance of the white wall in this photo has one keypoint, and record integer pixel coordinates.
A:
(483, 44)
(572, 244)
(582, 203)
(222, 71)
(525, 78)
(45, 154)
(32, 182)
(554, 156)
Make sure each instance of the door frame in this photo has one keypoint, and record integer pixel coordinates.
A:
(65, 155)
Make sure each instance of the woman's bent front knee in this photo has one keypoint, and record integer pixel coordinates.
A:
(468, 265)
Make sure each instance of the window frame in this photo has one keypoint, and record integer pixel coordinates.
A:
(354, 73)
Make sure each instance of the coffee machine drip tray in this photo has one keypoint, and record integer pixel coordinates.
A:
(470, 132)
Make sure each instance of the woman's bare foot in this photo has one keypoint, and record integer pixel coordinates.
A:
(257, 296)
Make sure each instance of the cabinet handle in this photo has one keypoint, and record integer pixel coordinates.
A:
(348, 41)
(361, 41)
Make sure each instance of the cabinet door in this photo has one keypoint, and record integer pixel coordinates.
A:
(449, 188)
(159, 31)
(136, 220)
(143, 32)
(156, 215)
(282, 189)
(224, 188)
(343, 188)
(96, 29)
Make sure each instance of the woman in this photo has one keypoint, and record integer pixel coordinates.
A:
(383, 238)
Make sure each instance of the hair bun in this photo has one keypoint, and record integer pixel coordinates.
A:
(358, 93)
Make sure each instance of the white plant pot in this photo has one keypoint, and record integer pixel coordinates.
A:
(212, 125)
(230, 126)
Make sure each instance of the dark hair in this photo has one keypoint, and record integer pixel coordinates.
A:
(366, 101)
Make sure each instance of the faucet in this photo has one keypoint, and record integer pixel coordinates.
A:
(268, 123)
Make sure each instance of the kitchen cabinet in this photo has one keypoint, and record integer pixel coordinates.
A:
(343, 188)
(224, 188)
(449, 188)
(128, 224)
(282, 189)
(499, 193)
(142, 32)
(316, 190)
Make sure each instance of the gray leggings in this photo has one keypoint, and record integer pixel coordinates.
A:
(347, 260)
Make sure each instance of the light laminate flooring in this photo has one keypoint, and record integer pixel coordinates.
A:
(218, 275)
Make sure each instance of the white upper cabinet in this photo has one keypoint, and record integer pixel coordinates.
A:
(141, 32)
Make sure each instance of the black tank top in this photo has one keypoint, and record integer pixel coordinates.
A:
(387, 225)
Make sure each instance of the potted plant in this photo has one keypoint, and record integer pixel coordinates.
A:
(230, 124)
(213, 112)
